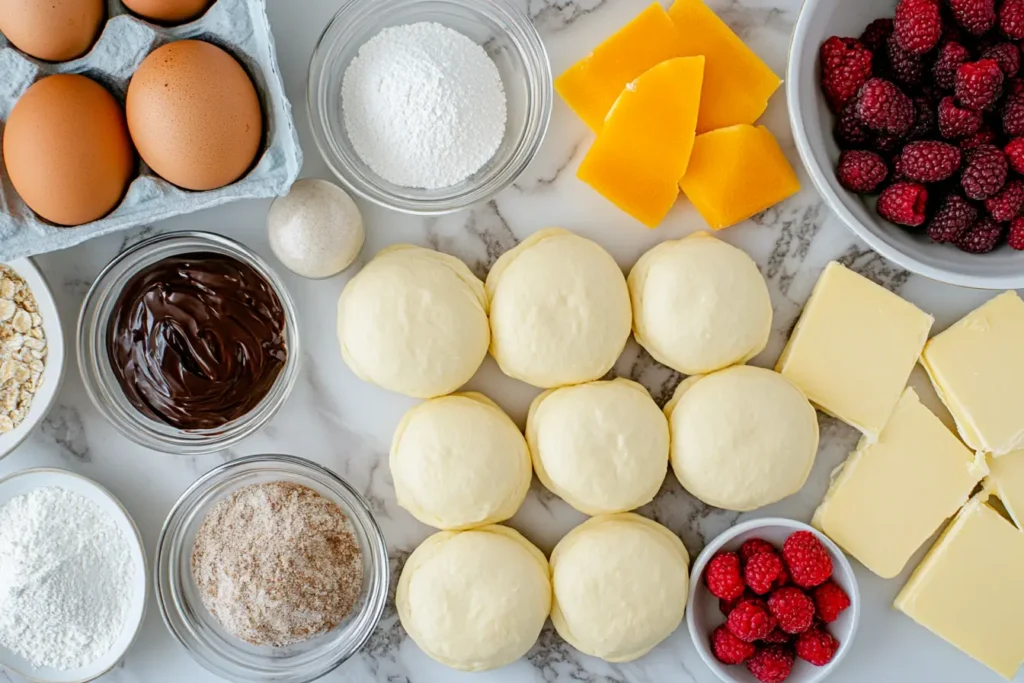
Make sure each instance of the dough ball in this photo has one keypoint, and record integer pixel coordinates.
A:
(475, 600)
(620, 583)
(559, 310)
(316, 229)
(602, 447)
(458, 461)
(699, 304)
(414, 321)
(742, 438)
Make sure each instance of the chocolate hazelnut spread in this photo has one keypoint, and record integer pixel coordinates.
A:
(197, 340)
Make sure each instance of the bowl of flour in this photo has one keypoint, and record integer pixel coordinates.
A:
(429, 106)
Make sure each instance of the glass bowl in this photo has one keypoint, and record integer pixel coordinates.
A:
(196, 629)
(511, 41)
(94, 362)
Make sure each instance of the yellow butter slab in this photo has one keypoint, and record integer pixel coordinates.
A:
(1006, 480)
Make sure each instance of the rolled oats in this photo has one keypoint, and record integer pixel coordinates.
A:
(22, 349)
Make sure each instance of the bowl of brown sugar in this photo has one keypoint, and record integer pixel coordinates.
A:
(271, 568)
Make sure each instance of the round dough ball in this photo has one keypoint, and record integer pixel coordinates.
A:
(699, 304)
(458, 462)
(742, 438)
(316, 229)
(475, 600)
(414, 321)
(559, 310)
(621, 583)
(602, 447)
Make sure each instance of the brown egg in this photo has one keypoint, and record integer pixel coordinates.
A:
(67, 150)
(53, 30)
(168, 11)
(194, 115)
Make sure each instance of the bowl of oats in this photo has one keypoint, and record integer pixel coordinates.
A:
(31, 351)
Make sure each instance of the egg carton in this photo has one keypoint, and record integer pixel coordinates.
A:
(239, 26)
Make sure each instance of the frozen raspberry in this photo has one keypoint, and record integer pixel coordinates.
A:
(816, 646)
(883, 107)
(723, 576)
(1013, 117)
(1006, 204)
(761, 572)
(982, 238)
(982, 137)
(876, 35)
(778, 637)
(728, 649)
(1006, 55)
(951, 56)
(858, 171)
(929, 161)
(809, 563)
(902, 203)
(750, 620)
(917, 25)
(793, 609)
(956, 122)
(954, 217)
(1015, 237)
(907, 68)
(829, 599)
(753, 546)
(771, 664)
(977, 16)
(845, 66)
(979, 84)
(1011, 19)
(849, 132)
(1014, 151)
(984, 171)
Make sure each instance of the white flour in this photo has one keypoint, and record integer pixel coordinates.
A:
(424, 105)
(65, 579)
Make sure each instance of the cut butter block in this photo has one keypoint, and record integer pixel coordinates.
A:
(977, 367)
(1006, 480)
(968, 589)
(643, 150)
(890, 496)
(854, 348)
(737, 83)
(736, 172)
(591, 85)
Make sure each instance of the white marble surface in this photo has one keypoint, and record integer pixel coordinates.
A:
(345, 424)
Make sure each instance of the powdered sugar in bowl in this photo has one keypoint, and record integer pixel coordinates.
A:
(491, 161)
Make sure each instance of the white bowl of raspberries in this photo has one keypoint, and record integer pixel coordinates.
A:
(909, 116)
(772, 600)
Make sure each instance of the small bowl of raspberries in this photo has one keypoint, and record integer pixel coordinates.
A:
(772, 600)
(909, 116)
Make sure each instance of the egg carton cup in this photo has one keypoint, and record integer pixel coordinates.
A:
(239, 26)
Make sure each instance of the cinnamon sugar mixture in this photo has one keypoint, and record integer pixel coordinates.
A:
(277, 563)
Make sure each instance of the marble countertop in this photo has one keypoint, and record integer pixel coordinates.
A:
(345, 424)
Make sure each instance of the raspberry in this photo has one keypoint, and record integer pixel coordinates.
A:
(984, 171)
(793, 609)
(783, 579)
(907, 68)
(951, 56)
(979, 84)
(924, 120)
(726, 606)
(778, 637)
(904, 204)
(876, 35)
(954, 217)
(1006, 55)
(761, 572)
(929, 161)
(750, 620)
(977, 16)
(829, 599)
(982, 238)
(897, 175)
(753, 546)
(771, 664)
(887, 144)
(882, 106)
(1015, 238)
(858, 171)
(1014, 151)
(1011, 18)
(1006, 204)
(845, 66)
(917, 25)
(728, 649)
(956, 122)
(849, 132)
(723, 576)
(982, 137)
(809, 563)
(1013, 117)
(816, 646)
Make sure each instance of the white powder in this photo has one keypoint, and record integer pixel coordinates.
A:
(65, 579)
(424, 105)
